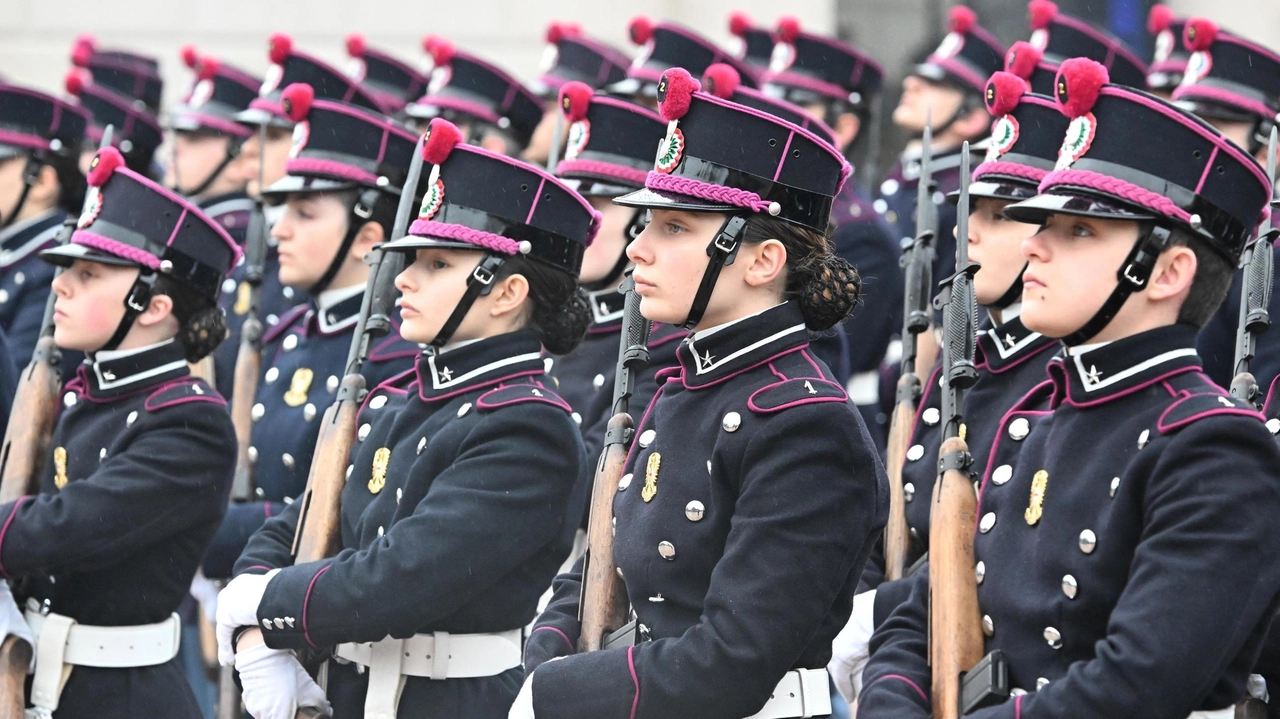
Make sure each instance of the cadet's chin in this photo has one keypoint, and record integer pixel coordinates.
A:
(412, 330)
(69, 339)
(656, 310)
(1038, 316)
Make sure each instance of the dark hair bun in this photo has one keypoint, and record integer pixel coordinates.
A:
(829, 293)
(562, 326)
(202, 332)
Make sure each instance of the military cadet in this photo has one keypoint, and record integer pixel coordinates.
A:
(946, 89)
(756, 493)
(340, 194)
(494, 110)
(135, 131)
(126, 73)
(1126, 558)
(570, 56)
(1010, 357)
(1056, 36)
(207, 165)
(1234, 85)
(40, 183)
(841, 86)
(609, 151)
(391, 81)
(140, 461)
(1169, 60)
(758, 43)
(665, 45)
(465, 488)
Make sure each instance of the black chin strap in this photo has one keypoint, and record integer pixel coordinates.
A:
(135, 303)
(30, 175)
(639, 221)
(233, 151)
(1133, 276)
(1013, 294)
(965, 107)
(360, 214)
(479, 284)
(723, 250)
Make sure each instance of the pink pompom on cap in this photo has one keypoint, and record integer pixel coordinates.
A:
(575, 99)
(440, 49)
(279, 48)
(962, 19)
(440, 139)
(640, 29)
(1199, 34)
(1077, 85)
(103, 165)
(75, 81)
(1041, 13)
(788, 29)
(1159, 19)
(190, 57)
(1004, 93)
(675, 93)
(721, 80)
(1022, 59)
(739, 23)
(355, 45)
(296, 101)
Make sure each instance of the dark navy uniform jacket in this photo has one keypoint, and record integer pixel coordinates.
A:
(25, 281)
(1011, 361)
(897, 203)
(752, 499)
(866, 241)
(1127, 562)
(462, 501)
(303, 359)
(135, 484)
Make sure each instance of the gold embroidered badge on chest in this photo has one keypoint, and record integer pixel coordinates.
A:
(381, 459)
(651, 477)
(59, 467)
(1039, 483)
(298, 387)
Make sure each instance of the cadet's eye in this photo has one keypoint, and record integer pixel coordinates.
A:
(675, 228)
(1081, 230)
(438, 264)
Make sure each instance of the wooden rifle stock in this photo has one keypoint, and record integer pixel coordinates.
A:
(319, 521)
(604, 605)
(243, 394)
(15, 654)
(897, 540)
(955, 629)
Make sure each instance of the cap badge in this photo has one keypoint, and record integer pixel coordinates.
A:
(440, 77)
(1198, 67)
(60, 467)
(298, 387)
(950, 46)
(1079, 137)
(671, 151)
(432, 201)
(550, 56)
(1040, 39)
(1165, 43)
(579, 135)
(201, 93)
(381, 459)
(301, 133)
(782, 57)
(1003, 137)
(93, 205)
(651, 477)
(271, 80)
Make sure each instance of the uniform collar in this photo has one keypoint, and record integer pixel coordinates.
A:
(110, 374)
(24, 238)
(1103, 372)
(336, 311)
(479, 364)
(711, 356)
(606, 310)
(1004, 347)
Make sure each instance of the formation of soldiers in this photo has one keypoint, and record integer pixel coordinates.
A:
(399, 392)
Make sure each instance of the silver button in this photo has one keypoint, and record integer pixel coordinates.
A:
(988, 521)
(4, 296)
(1069, 586)
(266, 623)
(378, 402)
(908, 491)
(273, 374)
(1273, 425)
(287, 459)
(350, 468)
(980, 571)
(598, 382)
(1002, 474)
(253, 455)
(290, 342)
(1143, 438)
(287, 292)
(228, 285)
(1041, 683)
(889, 187)
(624, 482)
(1019, 429)
(382, 531)
(289, 621)
(102, 454)
(731, 422)
(19, 278)
(1053, 636)
(666, 550)
(547, 364)
(931, 416)
(915, 452)
(422, 444)
(133, 417)
(363, 432)
(399, 494)
(331, 384)
(257, 412)
(708, 466)
(466, 407)
(988, 625)
(619, 570)
(577, 418)
(646, 437)
(1017, 692)
(695, 511)
(278, 622)
(309, 412)
(1088, 541)
(69, 399)
(657, 598)
(1115, 484)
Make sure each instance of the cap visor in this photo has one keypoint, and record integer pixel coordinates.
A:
(7, 151)
(410, 243)
(64, 255)
(660, 200)
(590, 187)
(256, 116)
(996, 189)
(1037, 209)
(294, 184)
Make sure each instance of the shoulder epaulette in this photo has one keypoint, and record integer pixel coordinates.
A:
(794, 392)
(188, 389)
(1195, 407)
(520, 393)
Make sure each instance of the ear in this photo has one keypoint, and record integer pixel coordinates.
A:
(46, 189)
(848, 125)
(370, 234)
(158, 310)
(1174, 272)
(508, 296)
(766, 262)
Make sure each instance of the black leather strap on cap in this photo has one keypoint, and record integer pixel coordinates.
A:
(356, 218)
(722, 251)
(30, 175)
(233, 151)
(479, 284)
(135, 303)
(1132, 277)
(1013, 294)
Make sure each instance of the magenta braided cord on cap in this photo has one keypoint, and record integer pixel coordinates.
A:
(603, 169)
(1011, 169)
(470, 235)
(1119, 188)
(706, 191)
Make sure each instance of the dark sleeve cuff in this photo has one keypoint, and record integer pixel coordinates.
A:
(282, 613)
(598, 685)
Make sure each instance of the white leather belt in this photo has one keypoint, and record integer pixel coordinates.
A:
(62, 643)
(1227, 713)
(801, 693)
(434, 656)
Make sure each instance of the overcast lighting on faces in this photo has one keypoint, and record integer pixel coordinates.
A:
(995, 243)
(431, 284)
(309, 232)
(670, 257)
(90, 304)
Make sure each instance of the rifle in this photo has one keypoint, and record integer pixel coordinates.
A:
(1255, 295)
(22, 456)
(917, 318)
(243, 393)
(955, 633)
(603, 604)
(319, 522)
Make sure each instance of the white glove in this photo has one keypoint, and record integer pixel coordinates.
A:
(205, 592)
(275, 684)
(12, 621)
(850, 651)
(523, 707)
(238, 607)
